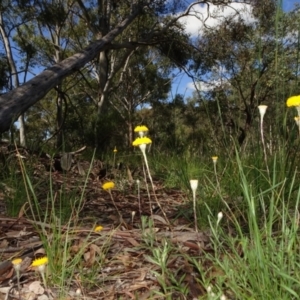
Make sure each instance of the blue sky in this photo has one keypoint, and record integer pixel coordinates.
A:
(182, 84)
(289, 4)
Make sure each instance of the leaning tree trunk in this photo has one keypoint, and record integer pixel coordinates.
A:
(16, 102)
(14, 75)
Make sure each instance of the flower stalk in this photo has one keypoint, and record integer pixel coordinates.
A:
(114, 161)
(17, 266)
(297, 120)
(139, 195)
(215, 160)
(262, 110)
(107, 186)
(142, 141)
(143, 149)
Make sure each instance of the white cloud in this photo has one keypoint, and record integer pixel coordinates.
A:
(204, 86)
(200, 16)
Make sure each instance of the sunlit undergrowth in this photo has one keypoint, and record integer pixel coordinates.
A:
(243, 223)
(250, 213)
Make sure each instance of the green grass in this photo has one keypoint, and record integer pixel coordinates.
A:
(254, 249)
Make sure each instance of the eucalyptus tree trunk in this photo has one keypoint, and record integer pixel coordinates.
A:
(16, 102)
(14, 75)
(104, 11)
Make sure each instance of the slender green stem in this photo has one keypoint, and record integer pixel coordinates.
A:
(264, 146)
(148, 192)
(152, 184)
(195, 212)
(113, 201)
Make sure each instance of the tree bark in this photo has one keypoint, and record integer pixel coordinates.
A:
(14, 75)
(16, 102)
(59, 98)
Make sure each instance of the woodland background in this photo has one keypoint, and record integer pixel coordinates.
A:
(241, 64)
(77, 73)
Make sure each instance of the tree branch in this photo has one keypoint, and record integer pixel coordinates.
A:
(16, 102)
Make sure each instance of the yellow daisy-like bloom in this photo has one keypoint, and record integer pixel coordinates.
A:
(108, 185)
(115, 150)
(141, 140)
(40, 262)
(16, 261)
(142, 128)
(98, 228)
(17, 264)
(214, 158)
(293, 101)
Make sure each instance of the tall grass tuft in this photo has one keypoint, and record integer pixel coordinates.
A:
(56, 220)
(255, 256)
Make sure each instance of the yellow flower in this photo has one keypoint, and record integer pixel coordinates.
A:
(16, 261)
(40, 262)
(214, 158)
(293, 101)
(141, 140)
(17, 265)
(141, 128)
(98, 228)
(108, 185)
(115, 150)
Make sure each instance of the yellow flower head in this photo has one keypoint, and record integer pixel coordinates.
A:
(40, 262)
(16, 261)
(293, 101)
(141, 128)
(98, 228)
(115, 150)
(214, 158)
(141, 140)
(108, 185)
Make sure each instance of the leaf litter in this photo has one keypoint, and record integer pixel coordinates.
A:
(117, 256)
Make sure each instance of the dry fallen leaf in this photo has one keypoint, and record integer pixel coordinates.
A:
(125, 259)
(22, 210)
(4, 244)
(43, 297)
(90, 256)
(36, 288)
(29, 296)
(5, 290)
(6, 273)
(133, 242)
